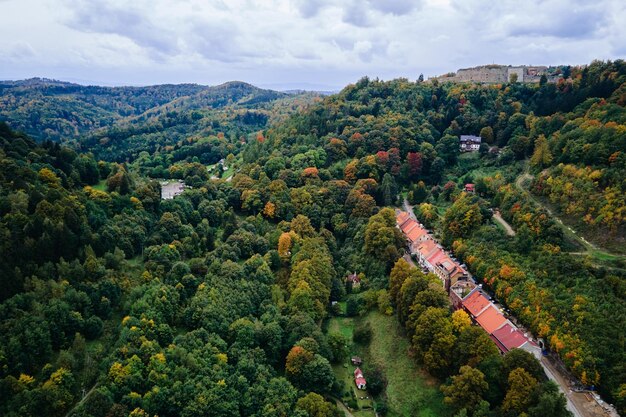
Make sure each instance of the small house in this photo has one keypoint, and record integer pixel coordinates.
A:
(469, 143)
(354, 279)
(359, 379)
(357, 361)
(469, 188)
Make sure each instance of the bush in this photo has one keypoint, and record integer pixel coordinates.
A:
(352, 306)
(376, 380)
(362, 334)
(381, 407)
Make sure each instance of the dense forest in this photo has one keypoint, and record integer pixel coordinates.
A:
(116, 302)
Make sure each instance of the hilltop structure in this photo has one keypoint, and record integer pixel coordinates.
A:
(495, 74)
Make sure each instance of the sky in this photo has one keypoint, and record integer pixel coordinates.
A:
(288, 44)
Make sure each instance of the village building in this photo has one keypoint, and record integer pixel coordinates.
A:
(470, 143)
(470, 188)
(504, 333)
(428, 252)
(354, 279)
(461, 289)
(359, 379)
(509, 337)
(356, 360)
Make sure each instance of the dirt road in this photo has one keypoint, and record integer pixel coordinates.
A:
(497, 217)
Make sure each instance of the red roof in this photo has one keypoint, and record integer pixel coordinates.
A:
(490, 319)
(475, 303)
(402, 217)
(416, 233)
(408, 225)
(360, 381)
(508, 337)
(428, 248)
(469, 187)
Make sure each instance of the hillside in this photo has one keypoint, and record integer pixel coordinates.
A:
(60, 111)
(215, 302)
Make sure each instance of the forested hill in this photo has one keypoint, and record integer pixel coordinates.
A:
(60, 111)
(213, 302)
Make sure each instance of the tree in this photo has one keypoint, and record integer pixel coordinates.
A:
(486, 134)
(518, 396)
(315, 406)
(414, 161)
(461, 219)
(551, 402)
(519, 358)
(513, 78)
(466, 389)
(390, 190)
(337, 344)
(541, 156)
(418, 193)
(284, 246)
(460, 320)
(382, 237)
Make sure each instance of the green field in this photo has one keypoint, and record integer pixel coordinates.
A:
(411, 392)
(101, 186)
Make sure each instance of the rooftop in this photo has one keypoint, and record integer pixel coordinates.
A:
(475, 303)
(508, 337)
(490, 319)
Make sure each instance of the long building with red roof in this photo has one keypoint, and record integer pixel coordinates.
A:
(463, 292)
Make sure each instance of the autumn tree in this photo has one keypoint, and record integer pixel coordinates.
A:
(382, 238)
(541, 156)
(461, 219)
(414, 161)
(315, 406)
(466, 389)
(486, 134)
(518, 396)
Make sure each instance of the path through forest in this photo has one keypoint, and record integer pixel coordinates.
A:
(589, 248)
(497, 217)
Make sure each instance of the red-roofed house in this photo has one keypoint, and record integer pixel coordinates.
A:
(509, 337)
(491, 319)
(475, 303)
(417, 234)
(402, 217)
(469, 188)
(359, 379)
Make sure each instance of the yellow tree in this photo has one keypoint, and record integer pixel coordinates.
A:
(518, 397)
(541, 156)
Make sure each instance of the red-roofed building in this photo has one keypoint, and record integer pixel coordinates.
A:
(459, 290)
(509, 337)
(469, 188)
(402, 217)
(491, 319)
(475, 303)
(359, 379)
(417, 234)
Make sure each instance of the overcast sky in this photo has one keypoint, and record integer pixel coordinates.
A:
(320, 44)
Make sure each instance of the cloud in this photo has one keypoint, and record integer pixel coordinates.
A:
(574, 23)
(396, 7)
(102, 16)
(309, 8)
(332, 42)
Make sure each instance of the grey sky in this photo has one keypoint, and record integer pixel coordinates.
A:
(321, 44)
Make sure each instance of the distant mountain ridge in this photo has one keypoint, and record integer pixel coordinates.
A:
(55, 110)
